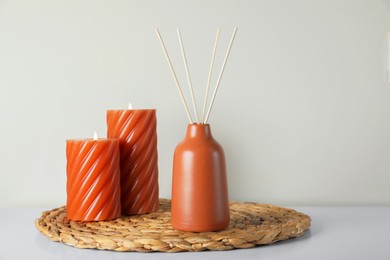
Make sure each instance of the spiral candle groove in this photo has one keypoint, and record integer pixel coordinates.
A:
(93, 180)
(136, 130)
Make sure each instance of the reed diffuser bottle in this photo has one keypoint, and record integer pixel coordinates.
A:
(199, 184)
(200, 201)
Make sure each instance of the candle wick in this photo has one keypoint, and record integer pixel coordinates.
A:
(130, 106)
(95, 136)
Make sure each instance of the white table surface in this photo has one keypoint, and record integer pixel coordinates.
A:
(336, 233)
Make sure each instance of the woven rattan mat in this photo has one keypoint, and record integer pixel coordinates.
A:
(251, 224)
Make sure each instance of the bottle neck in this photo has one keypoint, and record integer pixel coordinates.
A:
(198, 131)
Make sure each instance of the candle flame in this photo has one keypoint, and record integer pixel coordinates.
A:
(130, 106)
(95, 136)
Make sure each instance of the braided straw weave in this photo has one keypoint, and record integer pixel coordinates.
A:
(251, 224)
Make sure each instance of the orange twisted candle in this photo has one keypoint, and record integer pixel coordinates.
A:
(93, 179)
(136, 130)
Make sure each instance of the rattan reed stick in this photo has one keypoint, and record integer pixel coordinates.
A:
(220, 75)
(209, 77)
(174, 75)
(183, 53)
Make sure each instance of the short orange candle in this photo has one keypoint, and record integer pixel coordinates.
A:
(93, 179)
(136, 130)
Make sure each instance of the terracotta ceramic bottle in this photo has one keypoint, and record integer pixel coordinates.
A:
(199, 185)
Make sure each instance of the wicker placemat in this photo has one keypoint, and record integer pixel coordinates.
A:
(251, 224)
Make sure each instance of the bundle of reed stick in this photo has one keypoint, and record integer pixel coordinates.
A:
(205, 113)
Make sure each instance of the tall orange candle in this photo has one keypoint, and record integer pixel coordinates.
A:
(136, 130)
(93, 179)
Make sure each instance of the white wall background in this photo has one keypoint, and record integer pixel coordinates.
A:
(303, 110)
